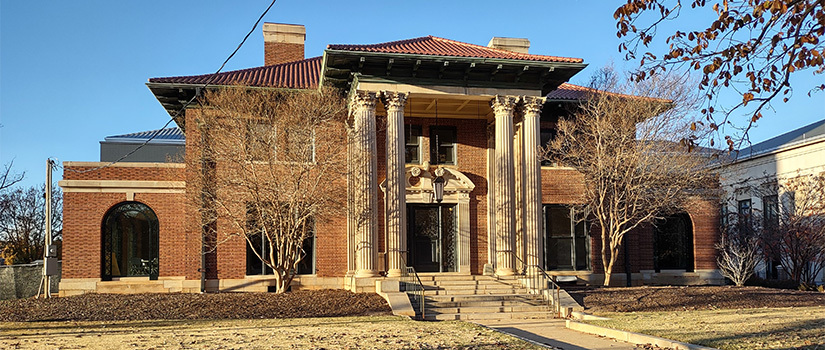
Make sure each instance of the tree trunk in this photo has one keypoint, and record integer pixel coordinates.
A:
(606, 265)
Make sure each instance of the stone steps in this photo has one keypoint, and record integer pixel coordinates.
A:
(474, 291)
(457, 297)
(488, 316)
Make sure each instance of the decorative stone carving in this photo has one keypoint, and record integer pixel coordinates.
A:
(415, 171)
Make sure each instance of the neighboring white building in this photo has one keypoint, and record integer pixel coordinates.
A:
(750, 181)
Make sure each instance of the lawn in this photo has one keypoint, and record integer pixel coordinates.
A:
(755, 328)
(365, 332)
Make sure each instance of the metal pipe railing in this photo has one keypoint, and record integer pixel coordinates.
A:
(538, 281)
(413, 286)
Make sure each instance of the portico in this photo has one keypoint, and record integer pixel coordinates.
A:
(512, 156)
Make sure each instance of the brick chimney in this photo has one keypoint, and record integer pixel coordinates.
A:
(519, 45)
(283, 43)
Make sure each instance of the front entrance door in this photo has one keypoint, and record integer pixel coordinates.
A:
(431, 237)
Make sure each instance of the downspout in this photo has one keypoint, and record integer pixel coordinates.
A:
(627, 263)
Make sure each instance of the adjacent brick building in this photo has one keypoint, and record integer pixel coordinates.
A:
(130, 226)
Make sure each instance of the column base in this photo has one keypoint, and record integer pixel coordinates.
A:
(366, 273)
(505, 271)
(394, 273)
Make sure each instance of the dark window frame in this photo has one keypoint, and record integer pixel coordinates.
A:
(578, 237)
(436, 147)
(309, 245)
(546, 135)
(412, 132)
(115, 216)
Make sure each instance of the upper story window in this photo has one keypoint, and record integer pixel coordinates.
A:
(547, 135)
(744, 207)
(770, 205)
(442, 144)
(412, 151)
(265, 143)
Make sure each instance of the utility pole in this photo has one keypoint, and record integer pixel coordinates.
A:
(48, 259)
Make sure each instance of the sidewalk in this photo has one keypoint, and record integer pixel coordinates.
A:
(553, 332)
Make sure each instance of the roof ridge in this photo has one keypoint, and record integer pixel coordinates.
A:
(498, 50)
(395, 42)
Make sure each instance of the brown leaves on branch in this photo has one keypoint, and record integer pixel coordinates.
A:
(751, 47)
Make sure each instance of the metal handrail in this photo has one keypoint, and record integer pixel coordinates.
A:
(410, 278)
(538, 273)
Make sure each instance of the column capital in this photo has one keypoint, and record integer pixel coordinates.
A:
(504, 105)
(394, 100)
(532, 104)
(363, 99)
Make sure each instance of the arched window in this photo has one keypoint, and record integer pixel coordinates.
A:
(673, 243)
(130, 242)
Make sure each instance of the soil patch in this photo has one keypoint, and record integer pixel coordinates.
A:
(111, 307)
(639, 299)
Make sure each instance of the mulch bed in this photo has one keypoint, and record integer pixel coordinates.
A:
(111, 307)
(600, 300)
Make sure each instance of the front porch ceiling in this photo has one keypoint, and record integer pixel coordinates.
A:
(446, 106)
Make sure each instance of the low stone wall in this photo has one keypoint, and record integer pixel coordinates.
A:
(23, 281)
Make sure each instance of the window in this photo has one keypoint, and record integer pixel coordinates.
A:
(546, 136)
(412, 152)
(442, 144)
(673, 243)
(567, 245)
(745, 208)
(259, 243)
(770, 205)
(130, 242)
(297, 146)
(264, 143)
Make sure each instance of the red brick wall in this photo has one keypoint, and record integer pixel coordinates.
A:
(83, 216)
(277, 53)
(565, 186)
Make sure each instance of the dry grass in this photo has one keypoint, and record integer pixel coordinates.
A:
(766, 328)
(384, 332)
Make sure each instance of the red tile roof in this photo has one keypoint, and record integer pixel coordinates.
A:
(296, 75)
(431, 45)
(572, 92)
(568, 92)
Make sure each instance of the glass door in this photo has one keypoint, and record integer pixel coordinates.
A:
(431, 237)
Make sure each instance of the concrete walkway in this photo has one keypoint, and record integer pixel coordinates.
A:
(553, 332)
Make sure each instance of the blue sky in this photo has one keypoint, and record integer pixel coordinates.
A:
(73, 72)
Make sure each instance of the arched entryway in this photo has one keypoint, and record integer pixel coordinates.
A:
(129, 242)
(673, 243)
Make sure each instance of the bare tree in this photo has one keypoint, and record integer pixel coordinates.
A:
(797, 236)
(740, 246)
(624, 138)
(22, 222)
(8, 178)
(272, 164)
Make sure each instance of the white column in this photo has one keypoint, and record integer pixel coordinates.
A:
(518, 160)
(503, 107)
(396, 191)
(365, 185)
(533, 233)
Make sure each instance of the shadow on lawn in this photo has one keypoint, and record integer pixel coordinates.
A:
(115, 327)
(642, 299)
(789, 331)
